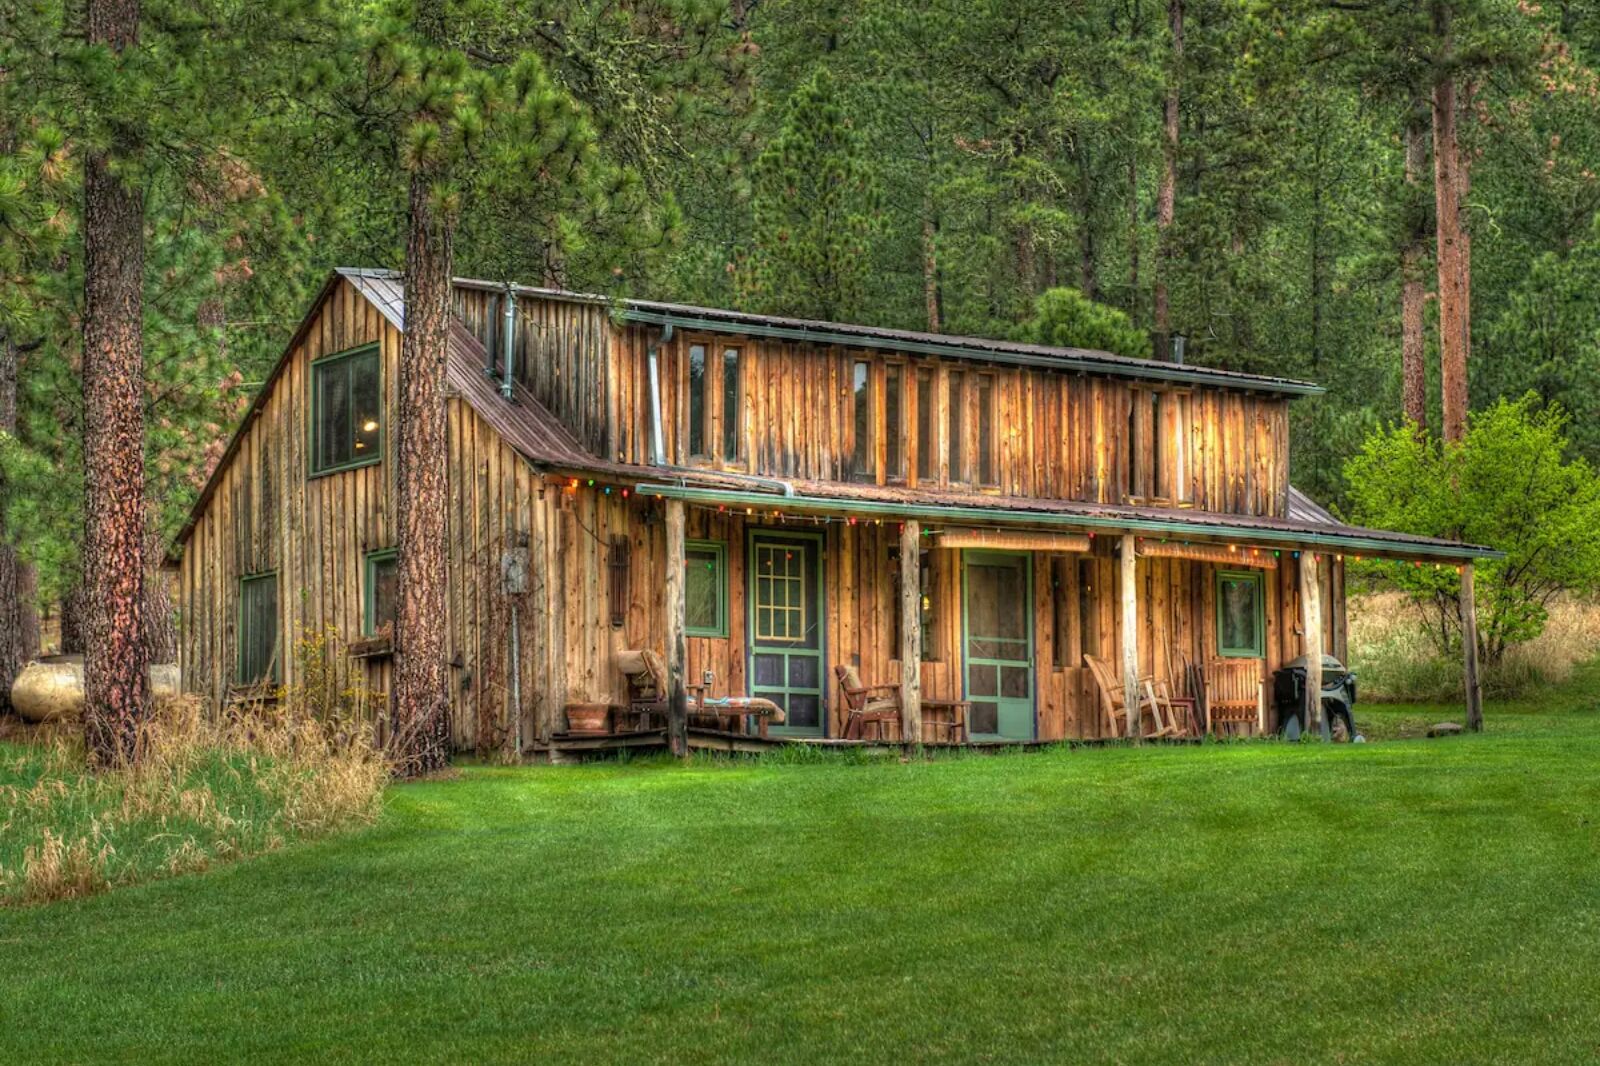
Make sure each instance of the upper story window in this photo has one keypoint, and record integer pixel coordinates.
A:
(699, 409)
(988, 464)
(346, 411)
(863, 464)
(1176, 463)
(894, 436)
(956, 389)
(927, 428)
(716, 404)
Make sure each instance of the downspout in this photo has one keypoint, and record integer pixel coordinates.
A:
(658, 446)
(509, 357)
(489, 345)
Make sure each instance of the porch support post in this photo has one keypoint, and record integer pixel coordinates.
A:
(911, 632)
(1128, 565)
(677, 644)
(1311, 627)
(1469, 650)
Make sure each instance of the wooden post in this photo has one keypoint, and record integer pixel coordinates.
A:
(1128, 564)
(911, 632)
(677, 645)
(1311, 642)
(1469, 649)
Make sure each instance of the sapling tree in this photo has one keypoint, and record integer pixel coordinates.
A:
(1509, 484)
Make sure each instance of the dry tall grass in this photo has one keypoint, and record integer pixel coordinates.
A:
(205, 791)
(1396, 661)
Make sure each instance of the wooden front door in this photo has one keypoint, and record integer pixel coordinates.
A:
(785, 626)
(997, 624)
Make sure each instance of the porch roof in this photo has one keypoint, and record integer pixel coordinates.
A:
(1308, 526)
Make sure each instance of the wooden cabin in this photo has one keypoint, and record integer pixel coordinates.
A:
(760, 500)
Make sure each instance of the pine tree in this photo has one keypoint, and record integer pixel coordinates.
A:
(816, 210)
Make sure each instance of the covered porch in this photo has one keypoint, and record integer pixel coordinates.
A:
(1013, 622)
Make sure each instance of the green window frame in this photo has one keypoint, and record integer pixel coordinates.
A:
(348, 446)
(712, 555)
(369, 591)
(258, 639)
(1257, 647)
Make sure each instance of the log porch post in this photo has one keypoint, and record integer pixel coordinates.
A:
(1469, 650)
(1311, 627)
(677, 644)
(911, 632)
(1127, 566)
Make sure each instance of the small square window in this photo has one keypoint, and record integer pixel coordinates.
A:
(346, 411)
(258, 629)
(1241, 622)
(382, 578)
(705, 589)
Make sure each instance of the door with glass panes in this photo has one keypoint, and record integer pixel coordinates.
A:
(784, 574)
(997, 624)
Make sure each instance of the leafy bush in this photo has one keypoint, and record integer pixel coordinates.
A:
(1509, 485)
(1066, 318)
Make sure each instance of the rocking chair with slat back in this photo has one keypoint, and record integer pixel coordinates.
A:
(1113, 703)
(867, 704)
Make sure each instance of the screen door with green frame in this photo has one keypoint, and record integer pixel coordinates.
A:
(785, 605)
(997, 623)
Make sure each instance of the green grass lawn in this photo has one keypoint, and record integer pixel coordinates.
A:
(1414, 901)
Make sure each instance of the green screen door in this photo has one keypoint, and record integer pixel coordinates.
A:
(998, 616)
(786, 628)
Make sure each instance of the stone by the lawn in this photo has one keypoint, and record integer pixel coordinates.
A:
(1444, 729)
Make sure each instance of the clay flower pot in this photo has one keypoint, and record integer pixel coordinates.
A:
(588, 718)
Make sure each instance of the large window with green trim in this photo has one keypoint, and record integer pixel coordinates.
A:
(259, 658)
(705, 588)
(377, 613)
(1241, 614)
(346, 411)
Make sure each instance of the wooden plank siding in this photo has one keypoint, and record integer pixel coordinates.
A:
(1056, 434)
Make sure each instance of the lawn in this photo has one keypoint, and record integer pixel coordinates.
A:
(1412, 901)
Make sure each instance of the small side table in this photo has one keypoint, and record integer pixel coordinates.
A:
(956, 723)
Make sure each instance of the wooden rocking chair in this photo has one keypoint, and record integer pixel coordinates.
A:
(1233, 696)
(1113, 703)
(866, 705)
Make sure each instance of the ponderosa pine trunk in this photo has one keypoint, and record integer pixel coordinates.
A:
(1413, 289)
(19, 626)
(1167, 196)
(421, 701)
(1450, 186)
(113, 433)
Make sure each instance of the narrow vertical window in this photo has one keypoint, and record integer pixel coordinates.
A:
(1182, 490)
(863, 465)
(957, 394)
(383, 568)
(1158, 447)
(1132, 445)
(927, 436)
(893, 433)
(697, 401)
(987, 462)
(1088, 631)
(258, 629)
(732, 412)
(1063, 607)
(930, 620)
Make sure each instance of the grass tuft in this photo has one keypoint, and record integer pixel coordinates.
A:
(204, 792)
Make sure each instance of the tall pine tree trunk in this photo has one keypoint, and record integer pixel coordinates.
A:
(1454, 247)
(422, 708)
(19, 627)
(113, 434)
(1414, 378)
(1167, 197)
